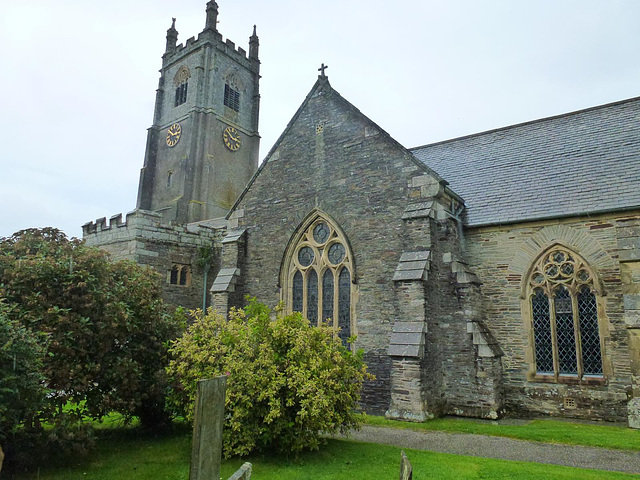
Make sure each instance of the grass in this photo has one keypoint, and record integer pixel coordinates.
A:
(131, 455)
(550, 431)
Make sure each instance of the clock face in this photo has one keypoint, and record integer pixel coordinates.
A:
(231, 138)
(173, 134)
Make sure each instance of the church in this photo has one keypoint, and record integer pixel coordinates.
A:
(496, 273)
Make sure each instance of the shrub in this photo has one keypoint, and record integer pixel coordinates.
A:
(21, 388)
(104, 324)
(288, 382)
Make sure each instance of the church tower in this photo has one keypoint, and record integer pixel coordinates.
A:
(202, 148)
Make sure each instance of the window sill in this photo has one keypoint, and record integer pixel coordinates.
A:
(569, 379)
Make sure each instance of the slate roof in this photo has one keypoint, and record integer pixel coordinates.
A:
(581, 162)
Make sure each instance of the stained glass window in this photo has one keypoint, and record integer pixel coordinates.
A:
(327, 295)
(344, 305)
(297, 293)
(564, 311)
(320, 272)
(321, 233)
(312, 297)
(305, 256)
(336, 253)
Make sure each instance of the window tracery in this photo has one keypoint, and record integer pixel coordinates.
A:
(563, 299)
(181, 82)
(318, 277)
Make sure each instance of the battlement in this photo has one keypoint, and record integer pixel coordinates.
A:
(134, 218)
(147, 225)
(227, 46)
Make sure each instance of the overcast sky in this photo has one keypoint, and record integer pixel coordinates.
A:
(78, 79)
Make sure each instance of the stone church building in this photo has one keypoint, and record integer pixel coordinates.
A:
(489, 274)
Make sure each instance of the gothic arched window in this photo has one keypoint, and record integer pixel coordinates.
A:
(563, 299)
(318, 275)
(232, 88)
(181, 82)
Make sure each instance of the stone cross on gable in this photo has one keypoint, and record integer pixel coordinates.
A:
(322, 68)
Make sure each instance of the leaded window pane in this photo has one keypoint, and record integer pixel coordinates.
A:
(589, 333)
(327, 295)
(565, 332)
(297, 292)
(344, 305)
(320, 270)
(321, 233)
(573, 318)
(305, 256)
(312, 297)
(542, 332)
(336, 253)
(174, 275)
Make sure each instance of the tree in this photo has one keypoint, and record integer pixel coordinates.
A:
(21, 381)
(288, 382)
(102, 324)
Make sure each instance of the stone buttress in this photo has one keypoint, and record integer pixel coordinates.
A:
(444, 359)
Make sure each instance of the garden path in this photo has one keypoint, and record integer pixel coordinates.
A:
(502, 448)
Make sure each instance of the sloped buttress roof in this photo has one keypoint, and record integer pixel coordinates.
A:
(582, 162)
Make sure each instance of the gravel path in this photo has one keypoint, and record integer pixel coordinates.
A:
(503, 448)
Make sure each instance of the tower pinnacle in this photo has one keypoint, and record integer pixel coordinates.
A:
(212, 16)
(253, 45)
(172, 37)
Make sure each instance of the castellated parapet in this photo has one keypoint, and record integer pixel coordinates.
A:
(228, 47)
(144, 239)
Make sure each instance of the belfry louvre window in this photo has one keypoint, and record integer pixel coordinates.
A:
(564, 316)
(181, 93)
(231, 98)
(318, 277)
(181, 82)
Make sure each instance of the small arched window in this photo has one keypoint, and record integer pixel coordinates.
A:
(318, 277)
(564, 317)
(180, 274)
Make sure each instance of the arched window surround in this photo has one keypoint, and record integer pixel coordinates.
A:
(319, 270)
(583, 280)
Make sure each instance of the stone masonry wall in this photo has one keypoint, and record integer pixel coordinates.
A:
(146, 241)
(333, 159)
(502, 256)
(628, 232)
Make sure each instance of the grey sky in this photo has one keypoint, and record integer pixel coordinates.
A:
(78, 79)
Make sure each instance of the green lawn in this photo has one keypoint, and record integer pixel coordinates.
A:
(131, 455)
(550, 431)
